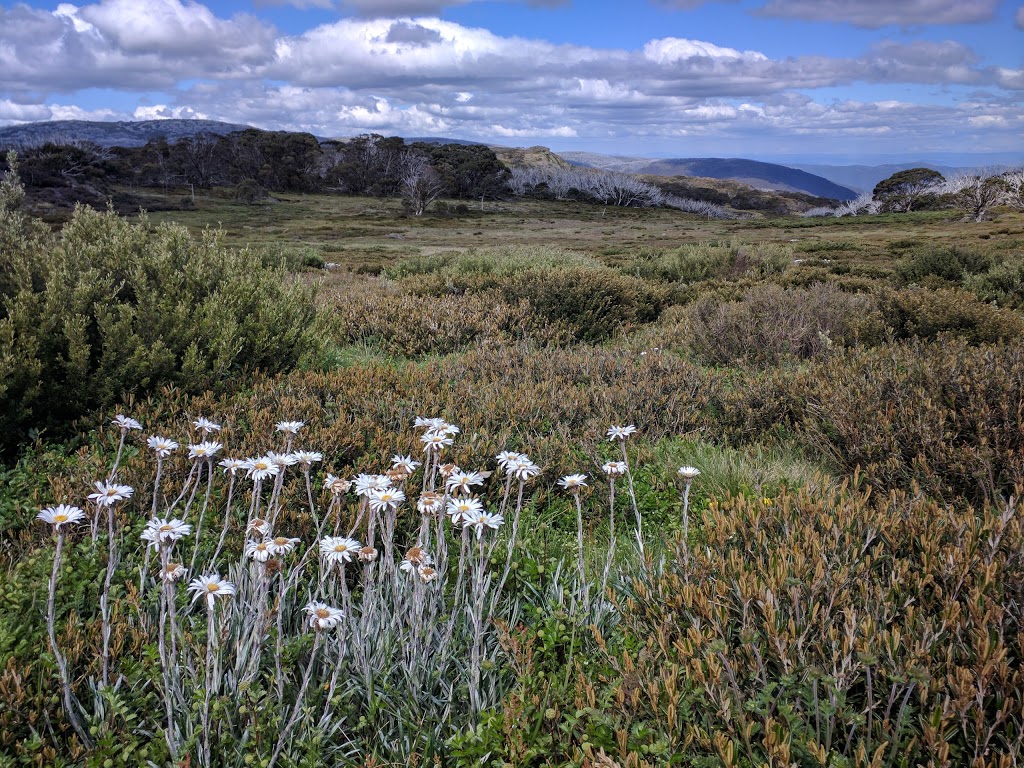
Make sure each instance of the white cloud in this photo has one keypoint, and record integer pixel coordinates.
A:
(1018, 18)
(428, 76)
(163, 112)
(563, 131)
(669, 50)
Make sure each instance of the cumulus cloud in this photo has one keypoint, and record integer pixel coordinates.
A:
(428, 76)
(124, 44)
(164, 112)
(882, 13)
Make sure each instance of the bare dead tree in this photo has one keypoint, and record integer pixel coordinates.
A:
(421, 184)
(976, 194)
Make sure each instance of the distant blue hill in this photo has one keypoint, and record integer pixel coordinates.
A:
(753, 172)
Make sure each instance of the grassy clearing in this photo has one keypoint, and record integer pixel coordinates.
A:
(848, 593)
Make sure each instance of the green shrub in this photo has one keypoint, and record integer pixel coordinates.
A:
(1003, 284)
(489, 261)
(593, 303)
(110, 307)
(951, 264)
(705, 261)
(924, 313)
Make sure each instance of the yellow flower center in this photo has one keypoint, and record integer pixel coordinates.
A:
(60, 518)
(165, 527)
(322, 613)
(340, 548)
(213, 587)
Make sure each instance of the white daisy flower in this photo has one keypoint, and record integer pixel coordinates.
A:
(204, 450)
(688, 473)
(211, 588)
(231, 466)
(523, 469)
(404, 463)
(461, 481)
(110, 493)
(385, 498)
(62, 514)
(323, 616)
(339, 549)
(573, 482)
(365, 484)
(482, 521)
(261, 468)
(435, 441)
(305, 458)
(162, 446)
(205, 426)
(428, 574)
(459, 509)
(282, 545)
(258, 550)
(282, 460)
(432, 424)
(615, 468)
(620, 433)
(429, 503)
(289, 427)
(367, 554)
(125, 423)
(162, 531)
(508, 457)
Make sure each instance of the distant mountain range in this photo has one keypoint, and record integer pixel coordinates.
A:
(752, 172)
(863, 178)
(107, 134)
(840, 182)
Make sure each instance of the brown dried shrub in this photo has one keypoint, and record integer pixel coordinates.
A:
(827, 627)
(771, 324)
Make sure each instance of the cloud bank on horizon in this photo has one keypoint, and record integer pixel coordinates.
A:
(687, 77)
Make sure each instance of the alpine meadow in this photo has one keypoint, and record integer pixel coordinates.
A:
(339, 441)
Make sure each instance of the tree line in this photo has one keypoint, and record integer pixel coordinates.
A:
(974, 194)
(256, 163)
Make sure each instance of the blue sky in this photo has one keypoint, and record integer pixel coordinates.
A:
(839, 80)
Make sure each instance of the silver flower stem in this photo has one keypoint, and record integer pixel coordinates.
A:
(512, 540)
(71, 705)
(686, 516)
(636, 508)
(579, 547)
(204, 755)
(117, 458)
(202, 513)
(165, 598)
(297, 708)
(279, 641)
(611, 536)
(227, 521)
(105, 597)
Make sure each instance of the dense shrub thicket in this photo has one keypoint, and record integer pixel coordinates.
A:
(107, 307)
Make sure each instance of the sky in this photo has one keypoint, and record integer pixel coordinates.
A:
(801, 80)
